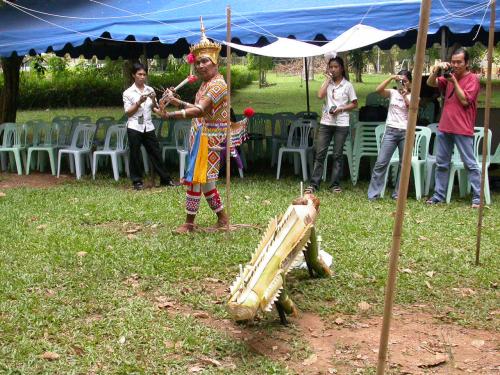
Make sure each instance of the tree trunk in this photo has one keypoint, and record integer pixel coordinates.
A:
(10, 91)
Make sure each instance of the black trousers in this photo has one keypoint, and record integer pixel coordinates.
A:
(150, 142)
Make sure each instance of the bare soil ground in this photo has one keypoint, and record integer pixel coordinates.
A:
(420, 343)
(33, 180)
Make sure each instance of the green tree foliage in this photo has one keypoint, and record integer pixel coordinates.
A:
(37, 63)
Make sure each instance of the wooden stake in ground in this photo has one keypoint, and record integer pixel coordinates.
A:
(228, 132)
(491, 37)
(403, 185)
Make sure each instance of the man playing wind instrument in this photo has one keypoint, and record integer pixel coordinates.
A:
(209, 116)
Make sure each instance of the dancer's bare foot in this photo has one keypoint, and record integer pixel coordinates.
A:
(185, 228)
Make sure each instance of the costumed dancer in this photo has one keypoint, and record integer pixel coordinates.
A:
(208, 132)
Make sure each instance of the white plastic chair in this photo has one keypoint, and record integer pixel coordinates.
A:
(78, 149)
(181, 138)
(114, 151)
(300, 143)
(279, 133)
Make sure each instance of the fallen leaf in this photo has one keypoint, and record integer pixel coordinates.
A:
(78, 351)
(428, 284)
(363, 306)
(211, 361)
(212, 280)
(201, 315)
(131, 236)
(430, 273)
(310, 360)
(2, 194)
(266, 202)
(357, 276)
(121, 340)
(165, 305)
(247, 197)
(50, 292)
(133, 230)
(81, 253)
(406, 270)
(339, 321)
(477, 343)
(332, 370)
(196, 368)
(41, 227)
(422, 238)
(50, 356)
(438, 360)
(274, 348)
(419, 221)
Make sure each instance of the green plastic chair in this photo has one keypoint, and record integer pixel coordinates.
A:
(364, 144)
(257, 134)
(14, 140)
(64, 127)
(281, 122)
(102, 125)
(48, 143)
(495, 158)
(418, 157)
(457, 166)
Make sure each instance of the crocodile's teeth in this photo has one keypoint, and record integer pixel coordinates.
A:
(233, 286)
(270, 305)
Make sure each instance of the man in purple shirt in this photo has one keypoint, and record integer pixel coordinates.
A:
(456, 127)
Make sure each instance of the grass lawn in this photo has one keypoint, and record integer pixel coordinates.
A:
(86, 264)
(287, 94)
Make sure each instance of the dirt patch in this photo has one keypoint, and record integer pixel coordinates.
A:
(33, 180)
(419, 342)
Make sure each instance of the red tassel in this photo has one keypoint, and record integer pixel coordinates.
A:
(192, 79)
(249, 112)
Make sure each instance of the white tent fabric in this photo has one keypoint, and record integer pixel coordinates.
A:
(356, 37)
(283, 47)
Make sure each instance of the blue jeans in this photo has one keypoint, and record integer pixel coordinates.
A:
(322, 141)
(393, 138)
(465, 145)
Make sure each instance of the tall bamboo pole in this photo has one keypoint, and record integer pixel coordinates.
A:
(403, 186)
(228, 131)
(491, 37)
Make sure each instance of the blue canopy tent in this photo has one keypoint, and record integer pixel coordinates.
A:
(122, 28)
(117, 28)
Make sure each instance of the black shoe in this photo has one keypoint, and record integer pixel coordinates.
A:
(433, 201)
(138, 186)
(310, 190)
(170, 183)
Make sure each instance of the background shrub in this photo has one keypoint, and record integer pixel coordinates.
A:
(86, 85)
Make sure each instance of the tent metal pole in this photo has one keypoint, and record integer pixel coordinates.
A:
(228, 131)
(443, 44)
(487, 107)
(307, 86)
(403, 186)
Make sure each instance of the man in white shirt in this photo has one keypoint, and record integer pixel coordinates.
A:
(138, 101)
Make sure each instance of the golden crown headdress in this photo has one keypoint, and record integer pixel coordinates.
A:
(206, 48)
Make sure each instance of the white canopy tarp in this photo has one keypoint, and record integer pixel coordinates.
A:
(356, 37)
